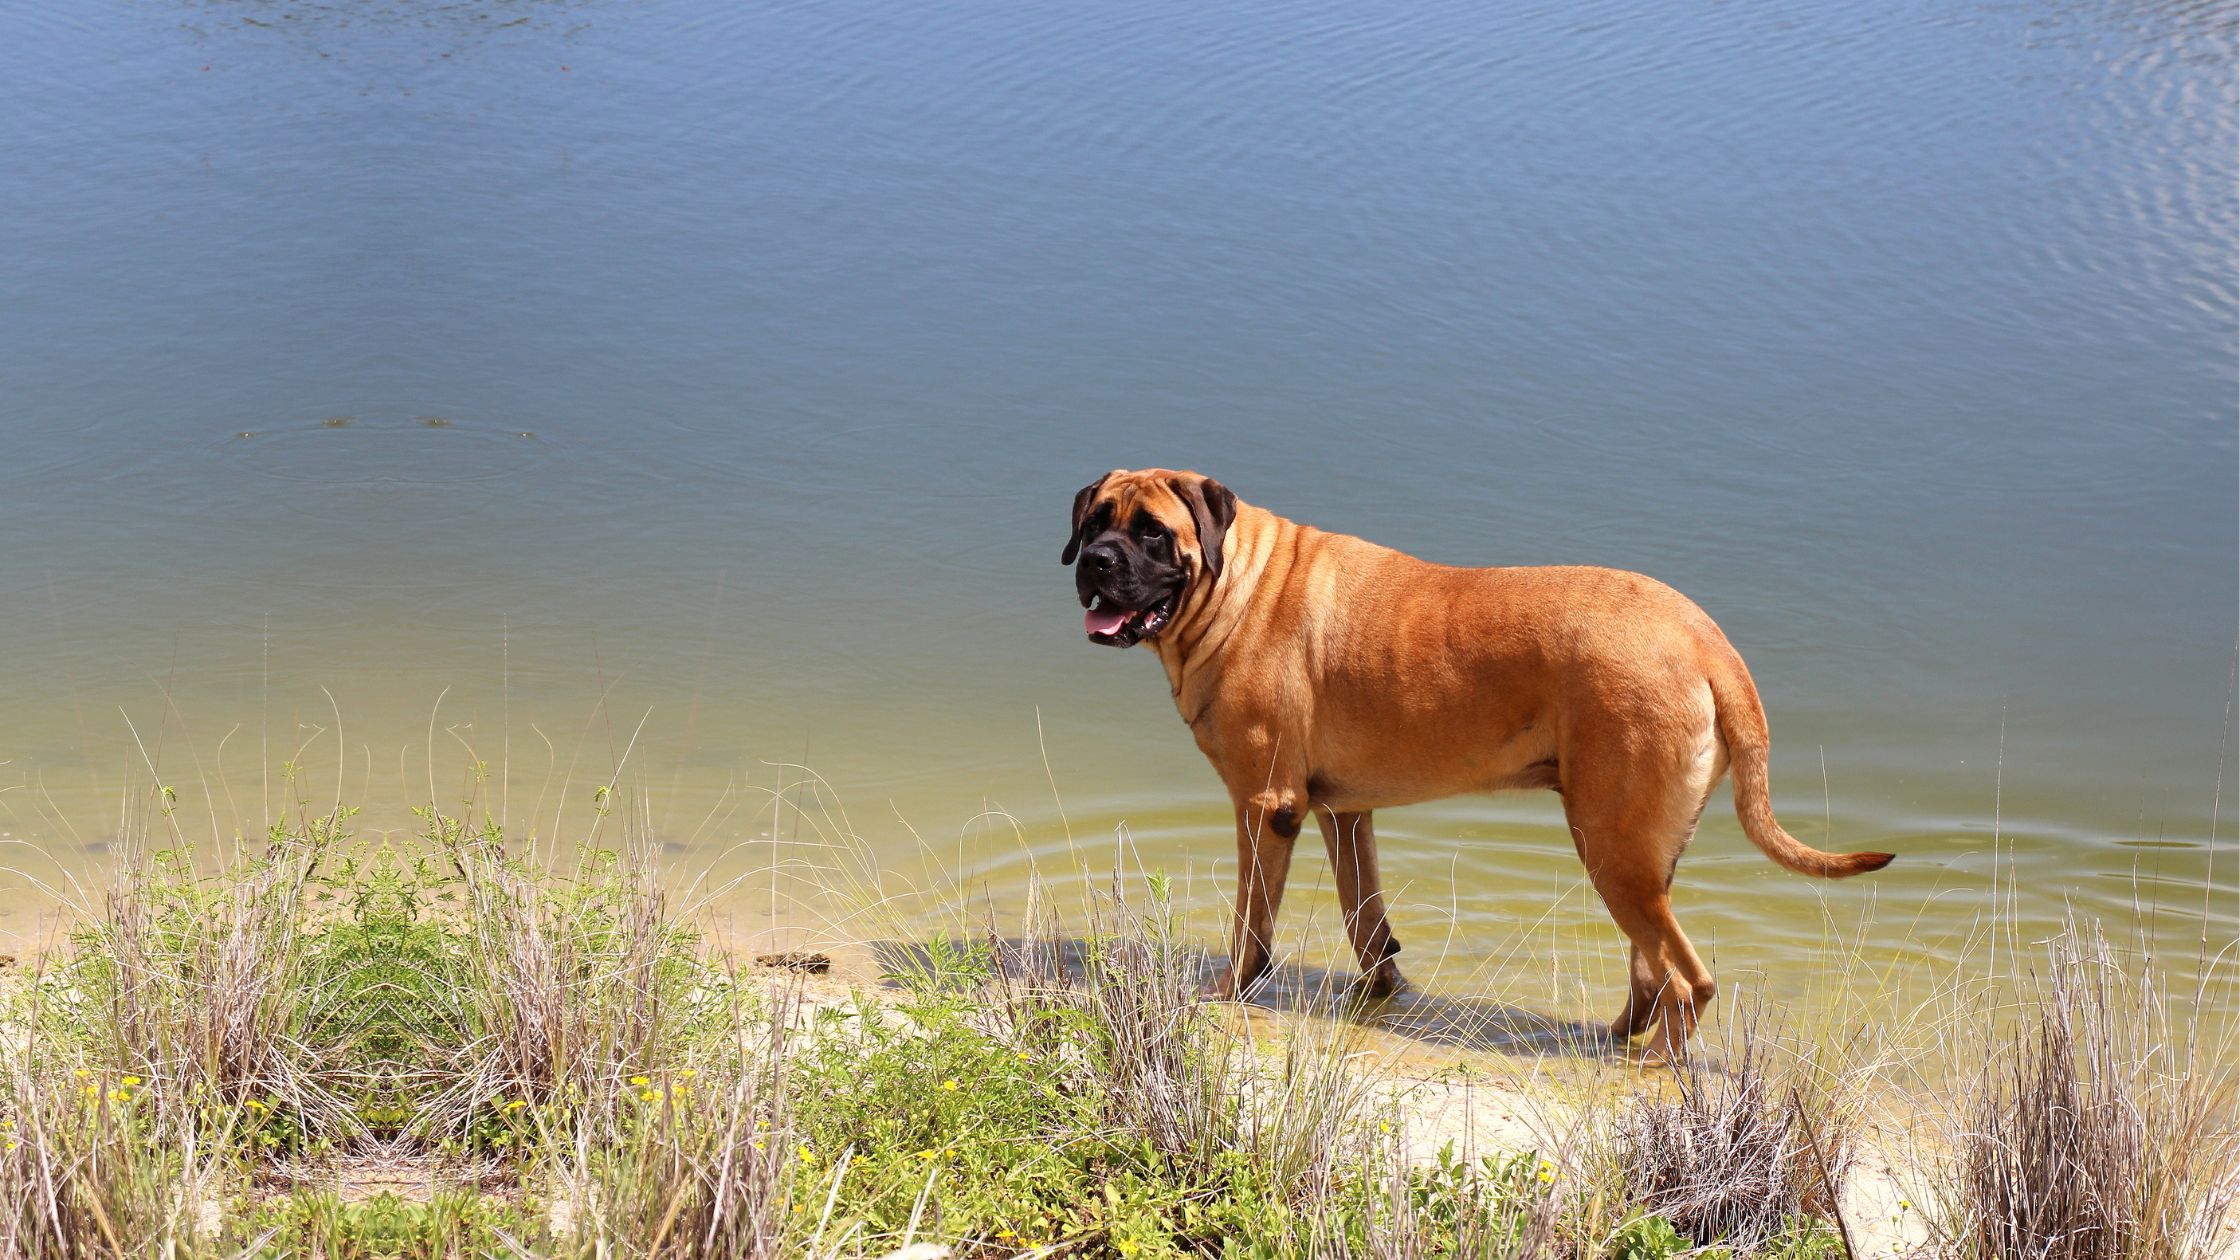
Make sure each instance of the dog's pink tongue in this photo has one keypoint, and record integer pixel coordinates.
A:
(1104, 620)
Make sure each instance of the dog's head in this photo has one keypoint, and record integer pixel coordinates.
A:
(1140, 541)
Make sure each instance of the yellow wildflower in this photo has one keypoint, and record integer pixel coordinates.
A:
(1127, 1246)
(83, 1074)
(640, 1081)
(808, 1156)
(761, 1125)
(927, 1156)
(132, 1080)
(1007, 1233)
(951, 1085)
(254, 1105)
(689, 1073)
(517, 1104)
(649, 1095)
(758, 1144)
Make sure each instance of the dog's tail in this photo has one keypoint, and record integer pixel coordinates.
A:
(1742, 724)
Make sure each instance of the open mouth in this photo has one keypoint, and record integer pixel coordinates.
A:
(1108, 623)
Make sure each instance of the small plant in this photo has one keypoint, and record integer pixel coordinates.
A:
(1496, 1208)
(165, 1052)
(2096, 1133)
(1739, 1156)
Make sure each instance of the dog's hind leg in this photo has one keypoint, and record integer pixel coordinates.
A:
(1352, 844)
(1668, 982)
(1631, 822)
(1640, 1009)
(1645, 979)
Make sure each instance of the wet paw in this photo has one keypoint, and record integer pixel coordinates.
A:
(1379, 982)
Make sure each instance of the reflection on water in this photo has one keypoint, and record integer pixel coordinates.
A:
(462, 401)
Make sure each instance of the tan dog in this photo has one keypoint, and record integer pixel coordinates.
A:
(1325, 675)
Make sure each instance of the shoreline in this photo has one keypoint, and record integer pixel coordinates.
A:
(430, 1041)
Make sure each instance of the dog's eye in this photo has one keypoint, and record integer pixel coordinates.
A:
(1153, 535)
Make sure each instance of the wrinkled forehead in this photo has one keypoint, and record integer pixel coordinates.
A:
(1126, 494)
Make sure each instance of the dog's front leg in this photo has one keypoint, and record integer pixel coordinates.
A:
(1268, 822)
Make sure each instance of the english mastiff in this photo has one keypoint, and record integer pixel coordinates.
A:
(1326, 676)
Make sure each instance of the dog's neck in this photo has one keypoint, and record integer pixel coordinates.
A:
(1211, 611)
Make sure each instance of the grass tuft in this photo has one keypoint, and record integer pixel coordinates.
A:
(2100, 1131)
(1740, 1156)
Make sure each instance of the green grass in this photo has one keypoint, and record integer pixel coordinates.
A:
(342, 1049)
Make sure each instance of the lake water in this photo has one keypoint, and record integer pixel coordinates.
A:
(701, 385)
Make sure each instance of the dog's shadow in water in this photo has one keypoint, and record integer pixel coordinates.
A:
(1430, 1018)
(1456, 1022)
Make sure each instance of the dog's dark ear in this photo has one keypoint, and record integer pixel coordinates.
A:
(1081, 505)
(1212, 506)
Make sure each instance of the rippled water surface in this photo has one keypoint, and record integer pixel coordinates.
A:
(388, 387)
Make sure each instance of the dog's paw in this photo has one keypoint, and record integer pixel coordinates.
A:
(1221, 988)
(1380, 982)
(1657, 1057)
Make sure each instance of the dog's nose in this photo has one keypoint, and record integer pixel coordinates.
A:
(1100, 558)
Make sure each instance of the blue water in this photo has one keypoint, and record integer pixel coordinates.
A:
(489, 376)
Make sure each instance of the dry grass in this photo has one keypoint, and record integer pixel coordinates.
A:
(569, 986)
(2101, 1129)
(701, 1171)
(181, 1014)
(642, 1080)
(1742, 1152)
